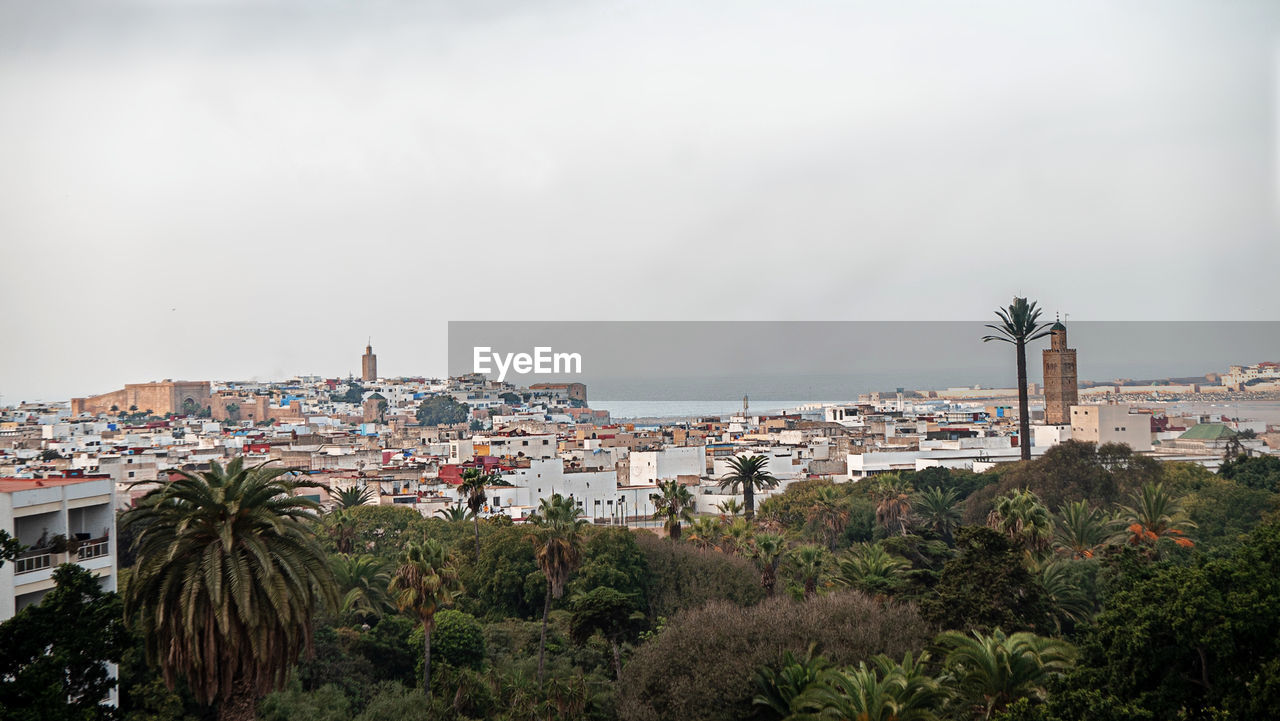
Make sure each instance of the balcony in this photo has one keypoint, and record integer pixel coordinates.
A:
(30, 561)
(93, 549)
(39, 559)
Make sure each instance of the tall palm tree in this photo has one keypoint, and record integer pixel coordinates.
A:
(1024, 519)
(939, 510)
(767, 550)
(1019, 325)
(991, 671)
(362, 585)
(353, 496)
(705, 532)
(807, 563)
(472, 491)
(558, 541)
(750, 473)
(424, 582)
(1155, 514)
(673, 503)
(228, 578)
(1079, 531)
(829, 512)
(884, 691)
(870, 568)
(893, 502)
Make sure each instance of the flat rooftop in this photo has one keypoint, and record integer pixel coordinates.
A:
(10, 485)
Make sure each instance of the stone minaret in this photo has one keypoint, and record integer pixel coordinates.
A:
(369, 364)
(1060, 389)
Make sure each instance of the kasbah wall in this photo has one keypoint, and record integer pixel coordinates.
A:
(160, 398)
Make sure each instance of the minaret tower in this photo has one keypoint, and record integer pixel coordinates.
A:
(1061, 390)
(369, 364)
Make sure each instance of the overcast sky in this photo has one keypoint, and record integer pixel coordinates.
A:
(249, 190)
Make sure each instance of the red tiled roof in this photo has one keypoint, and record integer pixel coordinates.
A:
(9, 485)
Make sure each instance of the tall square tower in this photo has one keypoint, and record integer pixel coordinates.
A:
(1060, 383)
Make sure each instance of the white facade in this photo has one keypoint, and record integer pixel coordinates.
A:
(1111, 424)
(538, 446)
(34, 512)
(1047, 436)
(783, 463)
(649, 467)
(862, 465)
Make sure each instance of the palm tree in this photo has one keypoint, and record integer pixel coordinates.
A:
(992, 671)
(1024, 519)
(829, 513)
(353, 496)
(673, 503)
(1080, 530)
(424, 582)
(737, 536)
(766, 551)
(893, 502)
(1020, 324)
(472, 491)
(704, 532)
(885, 691)
(807, 563)
(559, 550)
(749, 473)
(362, 584)
(1155, 514)
(456, 513)
(1070, 602)
(343, 529)
(939, 510)
(870, 568)
(729, 508)
(228, 577)
(780, 690)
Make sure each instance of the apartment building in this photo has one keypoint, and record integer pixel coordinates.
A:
(1111, 424)
(59, 520)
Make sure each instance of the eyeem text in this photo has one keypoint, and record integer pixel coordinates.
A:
(542, 360)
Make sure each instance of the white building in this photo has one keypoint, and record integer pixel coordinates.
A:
(37, 512)
(862, 465)
(528, 445)
(1111, 424)
(668, 464)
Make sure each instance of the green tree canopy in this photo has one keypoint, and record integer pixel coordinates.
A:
(1185, 640)
(987, 587)
(703, 665)
(54, 655)
(442, 410)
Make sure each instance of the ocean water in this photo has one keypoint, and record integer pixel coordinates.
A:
(1268, 411)
(690, 409)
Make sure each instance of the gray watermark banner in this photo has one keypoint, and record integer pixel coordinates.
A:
(834, 360)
